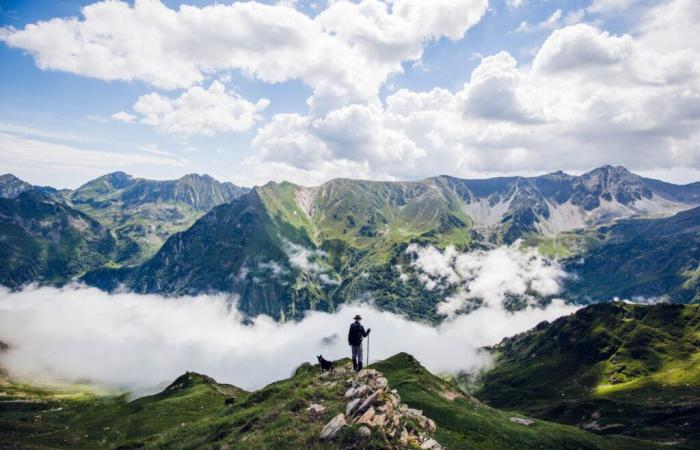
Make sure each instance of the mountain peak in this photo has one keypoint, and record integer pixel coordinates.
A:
(196, 176)
(610, 171)
(11, 186)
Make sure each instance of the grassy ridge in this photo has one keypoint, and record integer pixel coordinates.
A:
(612, 368)
(191, 414)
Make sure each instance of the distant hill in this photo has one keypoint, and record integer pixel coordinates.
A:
(140, 214)
(45, 241)
(143, 213)
(642, 259)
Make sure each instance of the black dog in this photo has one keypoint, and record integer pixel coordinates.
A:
(325, 364)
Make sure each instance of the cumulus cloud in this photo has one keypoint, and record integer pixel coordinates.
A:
(198, 111)
(142, 342)
(589, 97)
(486, 277)
(347, 50)
(311, 262)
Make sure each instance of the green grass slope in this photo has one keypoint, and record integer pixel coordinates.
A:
(612, 368)
(465, 423)
(77, 417)
(191, 414)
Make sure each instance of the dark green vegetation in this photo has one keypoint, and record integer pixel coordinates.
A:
(42, 240)
(79, 418)
(465, 423)
(191, 414)
(51, 236)
(645, 258)
(611, 368)
(284, 248)
(143, 213)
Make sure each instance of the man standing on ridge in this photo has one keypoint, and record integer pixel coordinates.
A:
(355, 336)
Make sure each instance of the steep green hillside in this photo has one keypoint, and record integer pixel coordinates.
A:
(610, 368)
(194, 413)
(144, 213)
(48, 242)
(642, 258)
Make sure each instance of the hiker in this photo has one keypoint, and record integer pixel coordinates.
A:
(355, 336)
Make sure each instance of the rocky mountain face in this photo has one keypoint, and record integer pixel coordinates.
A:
(643, 259)
(200, 192)
(609, 368)
(144, 213)
(285, 248)
(48, 242)
(140, 214)
(11, 187)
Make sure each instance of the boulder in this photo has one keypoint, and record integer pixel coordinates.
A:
(366, 418)
(430, 444)
(364, 432)
(332, 428)
(352, 406)
(379, 383)
(522, 421)
(316, 410)
(369, 401)
(362, 391)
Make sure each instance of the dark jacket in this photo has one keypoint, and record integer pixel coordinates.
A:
(356, 333)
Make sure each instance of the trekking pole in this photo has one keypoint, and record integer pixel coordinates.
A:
(368, 350)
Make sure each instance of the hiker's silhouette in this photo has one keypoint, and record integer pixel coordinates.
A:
(355, 335)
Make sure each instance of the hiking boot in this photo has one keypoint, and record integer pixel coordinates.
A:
(359, 366)
(354, 365)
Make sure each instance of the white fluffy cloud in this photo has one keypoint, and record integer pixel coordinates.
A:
(486, 278)
(198, 111)
(346, 51)
(589, 98)
(142, 342)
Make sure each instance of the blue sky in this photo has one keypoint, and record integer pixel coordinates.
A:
(510, 121)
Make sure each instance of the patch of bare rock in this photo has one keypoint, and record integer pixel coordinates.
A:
(377, 409)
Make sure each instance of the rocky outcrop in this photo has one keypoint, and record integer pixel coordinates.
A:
(378, 411)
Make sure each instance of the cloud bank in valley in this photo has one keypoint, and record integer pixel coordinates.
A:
(488, 277)
(141, 342)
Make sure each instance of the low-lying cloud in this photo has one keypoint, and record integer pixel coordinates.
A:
(140, 342)
(486, 278)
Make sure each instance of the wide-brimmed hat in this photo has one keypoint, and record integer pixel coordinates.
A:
(357, 317)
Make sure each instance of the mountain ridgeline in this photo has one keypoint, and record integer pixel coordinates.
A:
(53, 236)
(284, 248)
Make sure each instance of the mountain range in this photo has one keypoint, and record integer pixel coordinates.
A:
(284, 248)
